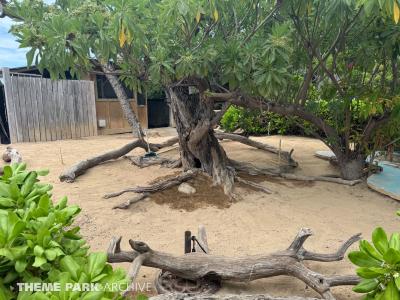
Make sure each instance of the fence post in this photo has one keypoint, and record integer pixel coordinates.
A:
(11, 109)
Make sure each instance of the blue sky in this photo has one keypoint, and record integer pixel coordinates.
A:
(10, 55)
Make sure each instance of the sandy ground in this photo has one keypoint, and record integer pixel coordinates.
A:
(257, 224)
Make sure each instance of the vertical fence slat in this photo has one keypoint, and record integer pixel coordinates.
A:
(40, 109)
(11, 109)
(35, 112)
(92, 110)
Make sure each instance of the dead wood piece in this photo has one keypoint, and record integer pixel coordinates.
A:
(143, 162)
(288, 262)
(253, 170)
(11, 155)
(158, 186)
(134, 200)
(254, 185)
(244, 140)
(224, 297)
(320, 178)
(174, 164)
(81, 167)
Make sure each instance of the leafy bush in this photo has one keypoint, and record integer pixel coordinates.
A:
(39, 244)
(263, 122)
(379, 266)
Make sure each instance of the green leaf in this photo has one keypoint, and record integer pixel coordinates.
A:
(367, 273)
(6, 202)
(39, 261)
(96, 263)
(38, 251)
(68, 264)
(20, 265)
(392, 256)
(4, 190)
(366, 286)
(394, 241)
(28, 184)
(367, 248)
(30, 56)
(7, 172)
(50, 254)
(391, 292)
(363, 260)
(380, 240)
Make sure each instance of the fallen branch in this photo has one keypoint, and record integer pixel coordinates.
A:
(81, 167)
(320, 178)
(134, 200)
(253, 185)
(224, 297)
(252, 143)
(253, 170)
(197, 265)
(143, 162)
(158, 186)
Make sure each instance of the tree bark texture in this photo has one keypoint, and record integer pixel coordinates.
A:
(197, 265)
(199, 148)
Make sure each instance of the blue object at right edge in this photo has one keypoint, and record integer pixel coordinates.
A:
(386, 182)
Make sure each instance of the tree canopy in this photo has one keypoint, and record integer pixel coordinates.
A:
(334, 64)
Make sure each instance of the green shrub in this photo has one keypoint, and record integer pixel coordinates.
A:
(38, 242)
(379, 266)
(263, 122)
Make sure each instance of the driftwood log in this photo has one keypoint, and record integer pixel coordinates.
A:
(285, 155)
(81, 167)
(145, 191)
(197, 265)
(143, 162)
(253, 170)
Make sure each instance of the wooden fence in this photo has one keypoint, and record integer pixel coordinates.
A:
(41, 109)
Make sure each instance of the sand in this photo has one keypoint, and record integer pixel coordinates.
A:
(257, 223)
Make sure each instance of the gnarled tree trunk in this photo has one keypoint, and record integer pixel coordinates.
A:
(199, 148)
(352, 168)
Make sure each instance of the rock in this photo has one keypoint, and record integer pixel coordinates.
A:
(186, 188)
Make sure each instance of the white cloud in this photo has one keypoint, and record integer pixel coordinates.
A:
(10, 53)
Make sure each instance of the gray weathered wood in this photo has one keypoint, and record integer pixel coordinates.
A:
(289, 262)
(41, 109)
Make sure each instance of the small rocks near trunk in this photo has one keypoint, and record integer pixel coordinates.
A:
(186, 188)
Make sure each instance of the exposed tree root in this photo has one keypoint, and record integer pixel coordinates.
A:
(158, 186)
(81, 167)
(197, 265)
(254, 185)
(320, 178)
(287, 156)
(143, 162)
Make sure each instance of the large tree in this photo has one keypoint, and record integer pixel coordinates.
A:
(333, 64)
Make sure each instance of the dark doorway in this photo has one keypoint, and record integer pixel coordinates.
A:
(4, 130)
(158, 113)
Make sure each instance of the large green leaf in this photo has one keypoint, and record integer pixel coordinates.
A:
(363, 260)
(380, 240)
(391, 292)
(366, 286)
(96, 263)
